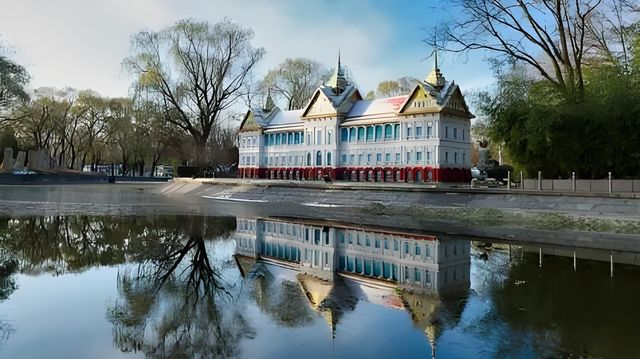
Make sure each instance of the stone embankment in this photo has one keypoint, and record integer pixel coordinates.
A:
(571, 219)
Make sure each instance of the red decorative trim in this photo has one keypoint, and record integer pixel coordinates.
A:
(357, 174)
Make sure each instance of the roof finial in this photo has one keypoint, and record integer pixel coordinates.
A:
(268, 104)
(435, 77)
(338, 81)
(435, 46)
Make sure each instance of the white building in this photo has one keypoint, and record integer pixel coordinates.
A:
(409, 260)
(423, 136)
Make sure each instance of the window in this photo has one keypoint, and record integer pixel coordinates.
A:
(341, 236)
(379, 157)
(369, 158)
(463, 134)
(418, 131)
(378, 133)
(308, 159)
(428, 156)
(308, 138)
(396, 245)
(406, 247)
(296, 138)
(369, 133)
(377, 243)
(388, 132)
(352, 134)
(329, 137)
(408, 157)
(417, 250)
(464, 159)
(360, 159)
(290, 138)
(446, 157)
(343, 159)
(446, 132)
(319, 158)
(397, 157)
(427, 251)
(455, 133)
(417, 275)
(319, 137)
(350, 238)
(358, 241)
(409, 132)
(329, 159)
(360, 134)
(387, 158)
(301, 137)
(352, 159)
(418, 156)
(455, 157)
(367, 241)
(344, 135)
(396, 131)
(386, 243)
(429, 131)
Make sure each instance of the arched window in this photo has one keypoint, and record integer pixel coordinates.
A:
(352, 134)
(319, 158)
(396, 131)
(344, 135)
(369, 133)
(360, 134)
(379, 133)
(388, 132)
(329, 137)
(308, 159)
(329, 159)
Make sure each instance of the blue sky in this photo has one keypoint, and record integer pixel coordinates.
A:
(81, 43)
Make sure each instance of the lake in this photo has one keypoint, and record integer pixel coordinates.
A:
(200, 286)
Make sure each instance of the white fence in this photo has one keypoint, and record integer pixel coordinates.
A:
(609, 185)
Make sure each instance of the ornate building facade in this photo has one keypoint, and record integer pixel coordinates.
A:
(423, 136)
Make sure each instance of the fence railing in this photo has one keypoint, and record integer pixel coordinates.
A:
(608, 185)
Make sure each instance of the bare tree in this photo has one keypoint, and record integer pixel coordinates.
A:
(195, 71)
(295, 80)
(389, 88)
(549, 35)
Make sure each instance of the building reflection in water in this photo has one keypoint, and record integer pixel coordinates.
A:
(338, 265)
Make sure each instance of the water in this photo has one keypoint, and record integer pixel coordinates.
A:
(188, 286)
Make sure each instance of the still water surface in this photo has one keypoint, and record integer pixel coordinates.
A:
(185, 286)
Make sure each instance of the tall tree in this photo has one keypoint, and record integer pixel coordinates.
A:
(549, 35)
(13, 77)
(194, 71)
(295, 80)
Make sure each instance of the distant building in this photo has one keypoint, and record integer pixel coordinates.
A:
(423, 136)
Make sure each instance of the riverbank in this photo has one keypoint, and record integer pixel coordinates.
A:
(604, 222)
(571, 221)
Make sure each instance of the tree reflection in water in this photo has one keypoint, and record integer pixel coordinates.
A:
(175, 302)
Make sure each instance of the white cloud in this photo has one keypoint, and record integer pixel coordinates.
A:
(81, 43)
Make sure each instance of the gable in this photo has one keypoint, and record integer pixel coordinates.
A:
(456, 104)
(249, 123)
(319, 106)
(419, 101)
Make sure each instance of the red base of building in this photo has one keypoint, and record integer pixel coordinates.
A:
(361, 174)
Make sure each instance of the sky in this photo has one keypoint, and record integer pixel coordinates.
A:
(81, 43)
